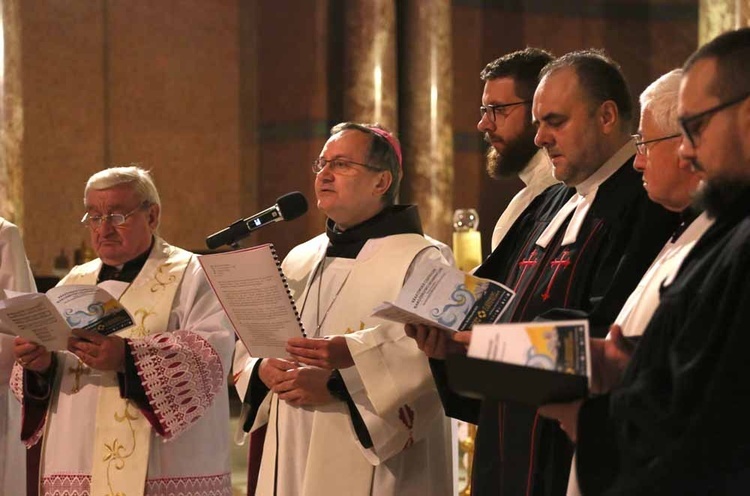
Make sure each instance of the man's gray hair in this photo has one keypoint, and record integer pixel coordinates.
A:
(660, 98)
(137, 178)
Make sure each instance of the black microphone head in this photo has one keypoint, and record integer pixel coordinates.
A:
(292, 205)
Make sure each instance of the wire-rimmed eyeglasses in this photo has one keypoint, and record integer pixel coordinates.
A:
(339, 166)
(640, 145)
(96, 221)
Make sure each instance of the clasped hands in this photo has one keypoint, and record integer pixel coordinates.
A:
(92, 349)
(301, 379)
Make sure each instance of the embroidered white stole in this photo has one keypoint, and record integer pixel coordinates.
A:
(122, 434)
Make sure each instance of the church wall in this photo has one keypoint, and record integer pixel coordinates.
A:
(115, 82)
(228, 101)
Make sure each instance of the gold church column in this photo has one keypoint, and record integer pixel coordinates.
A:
(11, 174)
(426, 85)
(719, 16)
(370, 93)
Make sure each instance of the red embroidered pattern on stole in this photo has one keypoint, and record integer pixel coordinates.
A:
(563, 262)
(216, 485)
(66, 485)
(181, 373)
(80, 485)
(524, 265)
(16, 382)
(406, 415)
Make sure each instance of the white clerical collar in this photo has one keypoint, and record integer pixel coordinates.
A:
(539, 165)
(580, 203)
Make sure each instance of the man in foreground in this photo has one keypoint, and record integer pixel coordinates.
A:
(675, 424)
(354, 409)
(596, 236)
(144, 411)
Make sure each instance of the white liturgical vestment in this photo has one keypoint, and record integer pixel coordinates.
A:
(16, 276)
(181, 345)
(317, 449)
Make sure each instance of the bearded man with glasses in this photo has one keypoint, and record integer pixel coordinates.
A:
(676, 423)
(118, 414)
(353, 410)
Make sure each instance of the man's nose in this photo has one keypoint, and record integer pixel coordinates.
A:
(686, 150)
(485, 124)
(106, 227)
(542, 138)
(639, 163)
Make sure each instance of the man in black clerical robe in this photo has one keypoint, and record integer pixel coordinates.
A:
(591, 242)
(677, 423)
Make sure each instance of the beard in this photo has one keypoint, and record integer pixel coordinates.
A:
(514, 158)
(721, 195)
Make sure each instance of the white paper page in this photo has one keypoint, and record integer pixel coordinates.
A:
(533, 344)
(34, 318)
(389, 311)
(249, 286)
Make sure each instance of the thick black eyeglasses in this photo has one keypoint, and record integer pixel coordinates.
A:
(693, 125)
(499, 109)
(640, 146)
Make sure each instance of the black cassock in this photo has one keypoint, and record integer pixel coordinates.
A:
(678, 422)
(518, 453)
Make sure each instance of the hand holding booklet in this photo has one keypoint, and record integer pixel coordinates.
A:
(530, 362)
(47, 319)
(441, 296)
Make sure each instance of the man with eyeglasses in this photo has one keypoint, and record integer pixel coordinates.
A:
(596, 236)
(505, 121)
(144, 411)
(354, 409)
(676, 423)
(671, 182)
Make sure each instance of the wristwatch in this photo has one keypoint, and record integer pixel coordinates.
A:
(337, 387)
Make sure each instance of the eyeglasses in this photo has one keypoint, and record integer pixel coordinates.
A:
(499, 109)
(339, 166)
(640, 146)
(693, 125)
(96, 221)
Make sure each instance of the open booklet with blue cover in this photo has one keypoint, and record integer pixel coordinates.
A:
(442, 296)
(533, 363)
(48, 318)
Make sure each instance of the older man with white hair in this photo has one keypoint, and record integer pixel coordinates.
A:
(673, 183)
(144, 411)
(670, 181)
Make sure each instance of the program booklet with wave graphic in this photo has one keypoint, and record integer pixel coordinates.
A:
(442, 296)
(48, 318)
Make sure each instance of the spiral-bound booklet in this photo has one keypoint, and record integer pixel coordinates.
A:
(254, 293)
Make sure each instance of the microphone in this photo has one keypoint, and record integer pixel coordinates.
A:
(288, 207)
